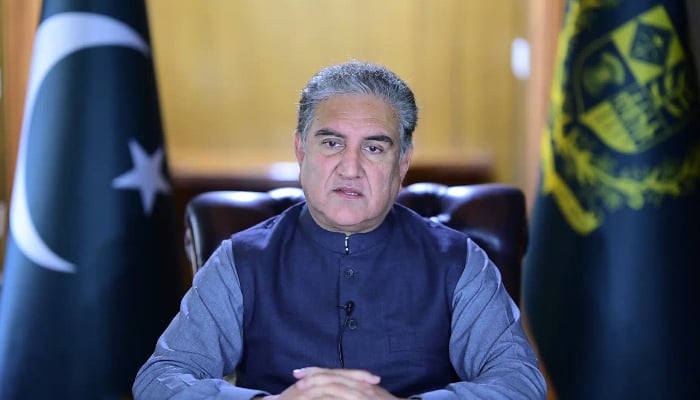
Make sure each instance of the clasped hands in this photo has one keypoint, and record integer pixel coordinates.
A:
(324, 383)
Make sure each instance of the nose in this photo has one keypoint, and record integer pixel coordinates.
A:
(350, 164)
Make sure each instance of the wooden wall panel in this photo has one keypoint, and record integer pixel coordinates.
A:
(19, 21)
(230, 72)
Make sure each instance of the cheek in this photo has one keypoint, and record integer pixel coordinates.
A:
(313, 171)
(385, 180)
(310, 165)
(305, 175)
(391, 173)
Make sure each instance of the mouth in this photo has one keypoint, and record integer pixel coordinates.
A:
(348, 192)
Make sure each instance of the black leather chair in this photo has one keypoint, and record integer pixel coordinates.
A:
(492, 214)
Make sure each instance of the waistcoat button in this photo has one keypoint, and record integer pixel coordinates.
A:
(351, 324)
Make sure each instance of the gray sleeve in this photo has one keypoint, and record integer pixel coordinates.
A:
(203, 342)
(488, 346)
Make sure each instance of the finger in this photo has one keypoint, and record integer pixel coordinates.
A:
(353, 380)
(356, 374)
(330, 386)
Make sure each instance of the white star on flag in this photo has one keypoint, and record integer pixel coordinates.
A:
(146, 176)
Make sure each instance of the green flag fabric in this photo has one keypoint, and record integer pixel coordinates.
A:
(92, 272)
(611, 280)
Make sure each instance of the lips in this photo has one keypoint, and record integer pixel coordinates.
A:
(348, 191)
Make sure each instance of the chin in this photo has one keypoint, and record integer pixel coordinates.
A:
(347, 220)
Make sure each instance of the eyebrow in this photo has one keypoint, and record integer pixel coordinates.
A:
(376, 138)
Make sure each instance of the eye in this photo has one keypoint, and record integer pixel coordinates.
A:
(331, 143)
(373, 149)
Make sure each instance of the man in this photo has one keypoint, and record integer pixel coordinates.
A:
(347, 295)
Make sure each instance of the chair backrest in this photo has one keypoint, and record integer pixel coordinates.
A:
(492, 214)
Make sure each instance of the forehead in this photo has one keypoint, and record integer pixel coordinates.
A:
(356, 112)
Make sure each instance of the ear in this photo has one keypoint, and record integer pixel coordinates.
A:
(298, 147)
(405, 162)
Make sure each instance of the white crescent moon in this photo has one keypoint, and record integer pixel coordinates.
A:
(56, 38)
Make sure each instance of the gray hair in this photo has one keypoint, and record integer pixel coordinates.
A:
(354, 77)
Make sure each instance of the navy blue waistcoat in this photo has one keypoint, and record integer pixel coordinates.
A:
(297, 278)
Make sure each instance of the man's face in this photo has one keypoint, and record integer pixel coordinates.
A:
(350, 171)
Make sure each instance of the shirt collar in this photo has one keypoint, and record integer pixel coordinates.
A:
(335, 241)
